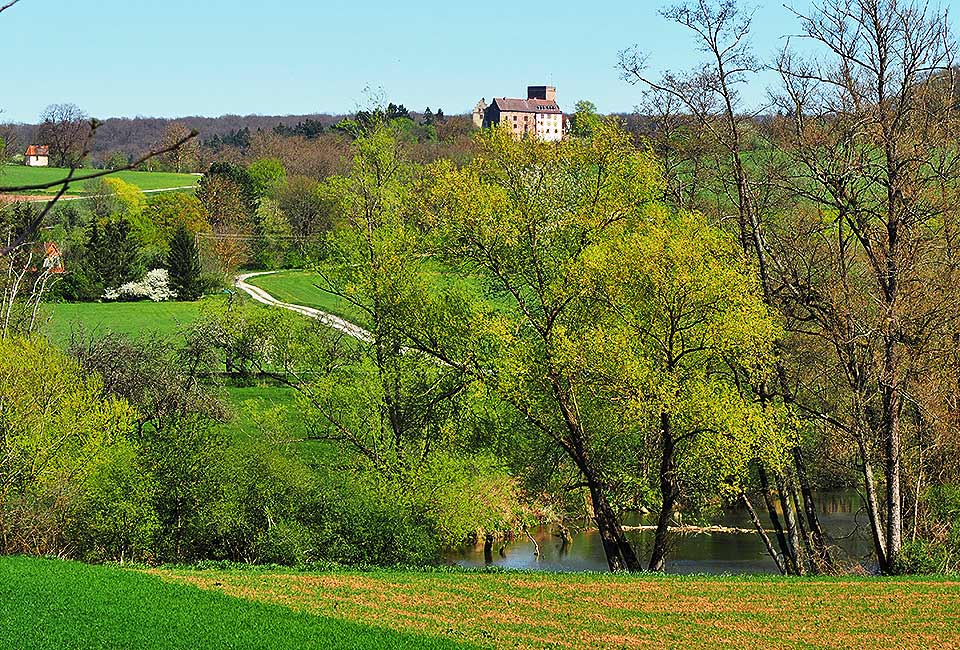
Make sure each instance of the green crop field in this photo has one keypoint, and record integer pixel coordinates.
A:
(16, 175)
(51, 604)
(500, 610)
(128, 318)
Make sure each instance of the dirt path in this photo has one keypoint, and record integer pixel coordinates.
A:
(334, 322)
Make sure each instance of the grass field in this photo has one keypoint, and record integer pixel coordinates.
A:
(49, 604)
(274, 403)
(129, 318)
(13, 175)
(52, 605)
(300, 288)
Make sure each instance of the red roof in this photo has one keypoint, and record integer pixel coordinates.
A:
(38, 150)
(526, 105)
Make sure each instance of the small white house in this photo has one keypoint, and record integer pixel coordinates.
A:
(37, 156)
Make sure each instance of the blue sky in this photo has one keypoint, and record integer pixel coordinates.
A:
(211, 57)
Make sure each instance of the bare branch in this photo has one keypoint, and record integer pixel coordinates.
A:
(136, 163)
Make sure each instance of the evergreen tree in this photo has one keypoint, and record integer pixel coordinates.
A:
(113, 252)
(184, 265)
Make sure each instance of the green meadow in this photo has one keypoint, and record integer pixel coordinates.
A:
(301, 288)
(17, 175)
(163, 319)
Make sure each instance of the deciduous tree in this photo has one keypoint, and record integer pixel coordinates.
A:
(66, 130)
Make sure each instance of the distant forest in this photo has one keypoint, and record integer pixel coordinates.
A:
(136, 135)
(132, 137)
(310, 145)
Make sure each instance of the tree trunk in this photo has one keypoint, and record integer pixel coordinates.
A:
(817, 538)
(619, 552)
(668, 494)
(775, 520)
(488, 549)
(891, 427)
(808, 561)
(873, 508)
(788, 517)
(763, 534)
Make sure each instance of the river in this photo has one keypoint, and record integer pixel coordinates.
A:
(843, 520)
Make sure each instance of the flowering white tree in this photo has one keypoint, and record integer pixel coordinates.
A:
(155, 285)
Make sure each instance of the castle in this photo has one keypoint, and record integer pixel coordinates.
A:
(537, 115)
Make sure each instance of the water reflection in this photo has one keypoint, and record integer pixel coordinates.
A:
(840, 514)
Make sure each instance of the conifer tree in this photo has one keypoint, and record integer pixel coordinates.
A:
(183, 262)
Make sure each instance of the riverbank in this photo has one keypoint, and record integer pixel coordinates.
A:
(52, 604)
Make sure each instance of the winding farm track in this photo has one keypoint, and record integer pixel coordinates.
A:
(328, 319)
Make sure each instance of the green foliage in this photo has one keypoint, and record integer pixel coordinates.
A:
(685, 329)
(183, 262)
(117, 160)
(267, 175)
(130, 199)
(114, 518)
(234, 173)
(309, 129)
(167, 211)
(938, 549)
(921, 557)
(58, 433)
(368, 517)
(524, 217)
(271, 248)
(112, 255)
(584, 120)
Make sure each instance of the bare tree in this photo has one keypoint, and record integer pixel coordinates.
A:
(28, 274)
(708, 98)
(871, 127)
(66, 130)
(185, 158)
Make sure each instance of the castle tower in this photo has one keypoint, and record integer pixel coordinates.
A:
(480, 113)
(548, 93)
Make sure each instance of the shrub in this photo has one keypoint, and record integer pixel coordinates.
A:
(921, 557)
(59, 432)
(114, 518)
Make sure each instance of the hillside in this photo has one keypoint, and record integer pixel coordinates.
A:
(15, 175)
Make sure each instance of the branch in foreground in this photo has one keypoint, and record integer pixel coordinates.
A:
(106, 172)
(64, 183)
(8, 5)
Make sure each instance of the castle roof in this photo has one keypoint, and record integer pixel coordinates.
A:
(526, 105)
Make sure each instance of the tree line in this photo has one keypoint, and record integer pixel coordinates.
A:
(728, 312)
